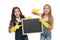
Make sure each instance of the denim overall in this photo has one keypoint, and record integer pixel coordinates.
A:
(19, 35)
(46, 35)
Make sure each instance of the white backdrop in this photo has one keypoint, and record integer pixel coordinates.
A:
(26, 7)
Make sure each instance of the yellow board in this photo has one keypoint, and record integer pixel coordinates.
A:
(14, 28)
(44, 23)
(35, 11)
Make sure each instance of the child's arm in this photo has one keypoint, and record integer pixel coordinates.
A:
(36, 11)
(42, 20)
(14, 28)
(44, 23)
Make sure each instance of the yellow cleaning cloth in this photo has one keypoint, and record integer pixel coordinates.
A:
(44, 23)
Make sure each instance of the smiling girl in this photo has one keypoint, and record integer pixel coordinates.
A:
(47, 20)
(16, 18)
(47, 16)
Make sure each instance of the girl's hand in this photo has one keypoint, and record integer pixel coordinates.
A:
(9, 31)
(29, 17)
(50, 28)
(35, 11)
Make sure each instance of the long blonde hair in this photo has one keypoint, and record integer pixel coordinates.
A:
(49, 14)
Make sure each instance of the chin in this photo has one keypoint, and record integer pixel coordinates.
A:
(46, 13)
(17, 17)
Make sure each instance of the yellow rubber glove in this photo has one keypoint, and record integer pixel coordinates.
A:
(14, 28)
(44, 23)
(29, 17)
(35, 11)
(17, 26)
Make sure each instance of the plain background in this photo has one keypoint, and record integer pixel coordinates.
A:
(26, 7)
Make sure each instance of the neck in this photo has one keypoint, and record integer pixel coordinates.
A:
(46, 14)
(18, 18)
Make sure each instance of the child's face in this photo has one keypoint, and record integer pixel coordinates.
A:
(17, 13)
(46, 9)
